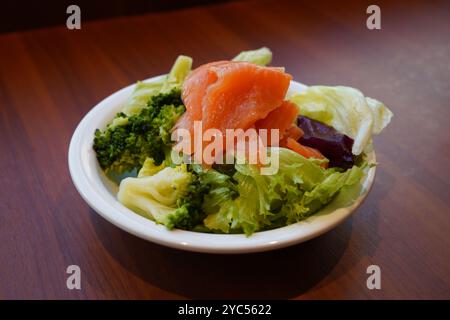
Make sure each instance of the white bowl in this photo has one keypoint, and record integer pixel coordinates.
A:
(100, 193)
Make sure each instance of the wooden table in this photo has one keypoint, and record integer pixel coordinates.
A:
(50, 78)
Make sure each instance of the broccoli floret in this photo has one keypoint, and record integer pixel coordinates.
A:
(189, 213)
(149, 168)
(128, 141)
(171, 98)
(172, 196)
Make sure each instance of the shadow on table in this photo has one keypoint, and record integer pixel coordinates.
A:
(277, 274)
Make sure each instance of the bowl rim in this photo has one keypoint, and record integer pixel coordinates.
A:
(87, 178)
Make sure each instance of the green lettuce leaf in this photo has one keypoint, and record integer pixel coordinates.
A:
(219, 201)
(262, 56)
(178, 73)
(251, 202)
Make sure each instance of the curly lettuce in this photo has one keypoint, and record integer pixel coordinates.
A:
(251, 202)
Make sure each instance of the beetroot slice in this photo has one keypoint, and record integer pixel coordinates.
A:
(335, 146)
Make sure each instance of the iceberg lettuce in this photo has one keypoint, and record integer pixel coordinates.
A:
(345, 109)
(262, 56)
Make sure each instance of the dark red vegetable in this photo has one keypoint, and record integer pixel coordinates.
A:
(335, 146)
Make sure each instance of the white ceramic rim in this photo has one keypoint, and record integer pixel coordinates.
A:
(98, 192)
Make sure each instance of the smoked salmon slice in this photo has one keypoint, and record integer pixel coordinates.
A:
(281, 118)
(241, 95)
(231, 95)
(294, 132)
(305, 151)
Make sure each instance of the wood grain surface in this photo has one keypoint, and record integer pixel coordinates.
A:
(50, 78)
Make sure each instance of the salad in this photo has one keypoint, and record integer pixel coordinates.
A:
(227, 148)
